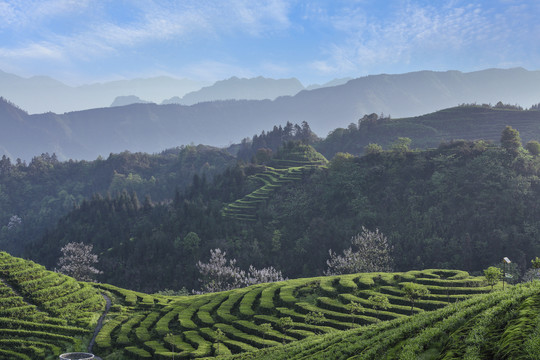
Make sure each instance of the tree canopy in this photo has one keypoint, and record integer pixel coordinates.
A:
(464, 204)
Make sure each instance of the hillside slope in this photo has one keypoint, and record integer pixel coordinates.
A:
(287, 166)
(247, 319)
(499, 325)
(463, 205)
(430, 130)
(41, 192)
(42, 313)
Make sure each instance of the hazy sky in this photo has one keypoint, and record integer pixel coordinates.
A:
(82, 41)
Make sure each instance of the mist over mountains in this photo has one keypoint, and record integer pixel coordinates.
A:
(258, 88)
(152, 128)
(40, 94)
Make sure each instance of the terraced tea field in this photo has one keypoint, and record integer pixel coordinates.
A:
(271, 179)
(498, 325)
(267, 315)
(42, 313)
(286, 167)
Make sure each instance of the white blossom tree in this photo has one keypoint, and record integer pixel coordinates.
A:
(14, 222)
(369, 252)
(220, 274)
(78, 261)
(264, 275)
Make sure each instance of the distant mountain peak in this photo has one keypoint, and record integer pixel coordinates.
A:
(257, 88)
(128, 100)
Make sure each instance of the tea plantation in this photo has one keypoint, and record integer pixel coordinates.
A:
(271, 179)
(268, 315)
(290, 163)
(43, 313)
(498, 325)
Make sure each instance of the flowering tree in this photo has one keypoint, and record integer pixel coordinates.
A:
(14, 222)
(220, 274)
(534, 272)
(369, 252)
(78, 261)
(264, 275)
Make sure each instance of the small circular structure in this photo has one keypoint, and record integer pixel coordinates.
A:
(77, 356)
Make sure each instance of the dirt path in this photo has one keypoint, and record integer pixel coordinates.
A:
(100, 323)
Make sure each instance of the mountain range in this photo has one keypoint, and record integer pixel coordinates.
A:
(151, 128)
(246, 89)
(40, 94)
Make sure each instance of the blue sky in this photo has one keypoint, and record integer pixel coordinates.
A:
(85, 41)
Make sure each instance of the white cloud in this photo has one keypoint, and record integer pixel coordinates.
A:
(30, 13)
(98, 33)
(33, 51)
(412, 31)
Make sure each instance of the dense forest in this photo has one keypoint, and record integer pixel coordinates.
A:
(34, 196)
(464, 204)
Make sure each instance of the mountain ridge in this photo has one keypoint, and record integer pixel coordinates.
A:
(234, 88)
(40, 94)
(151, 128)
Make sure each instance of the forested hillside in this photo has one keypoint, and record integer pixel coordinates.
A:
(465, 122)
(34, 196)
(462, 205)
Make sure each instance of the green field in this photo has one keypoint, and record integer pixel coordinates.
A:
(43, 313)
(498, 325)
(245, 320)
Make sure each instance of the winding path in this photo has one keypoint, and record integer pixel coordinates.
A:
(100, 324)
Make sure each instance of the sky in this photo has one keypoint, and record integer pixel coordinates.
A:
(88, 41)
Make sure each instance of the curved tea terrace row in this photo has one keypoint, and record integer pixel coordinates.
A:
(43, 313)
(239, 321)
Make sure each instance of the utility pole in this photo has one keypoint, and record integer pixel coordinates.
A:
(505, 261)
